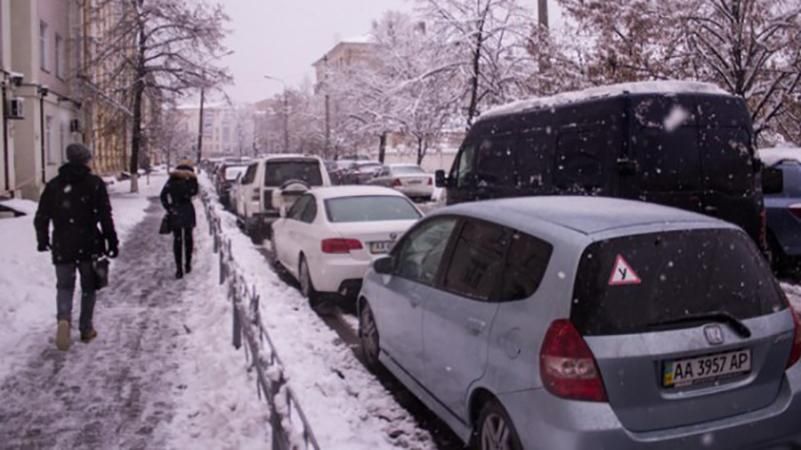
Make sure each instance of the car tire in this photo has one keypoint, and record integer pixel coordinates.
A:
(495, 430)
(369, 339)
(306, 284)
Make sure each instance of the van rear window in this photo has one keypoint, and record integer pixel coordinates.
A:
(279, 172)
(630, 284)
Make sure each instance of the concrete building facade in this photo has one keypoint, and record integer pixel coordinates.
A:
(227, 130)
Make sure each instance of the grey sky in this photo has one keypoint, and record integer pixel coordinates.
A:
(283, 38)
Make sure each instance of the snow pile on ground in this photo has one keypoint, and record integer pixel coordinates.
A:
(18, 204)
(347, 407)
(666, 87)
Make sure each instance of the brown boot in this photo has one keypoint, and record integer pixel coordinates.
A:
(88, 336)
(63, 335)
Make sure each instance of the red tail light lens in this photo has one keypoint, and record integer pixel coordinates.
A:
(396, 183)
(567, 365)
(795, 209)
(430, 182)
(795, 353)
(340, 245)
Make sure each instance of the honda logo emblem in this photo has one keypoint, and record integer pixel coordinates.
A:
(714, 334)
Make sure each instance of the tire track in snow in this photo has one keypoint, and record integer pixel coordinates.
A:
(120, 390)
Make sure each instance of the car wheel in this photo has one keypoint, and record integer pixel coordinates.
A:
(495, 429)
(368, 338)
(306, 285)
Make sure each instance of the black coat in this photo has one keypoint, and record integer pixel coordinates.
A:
(76, 201)
(176, 197)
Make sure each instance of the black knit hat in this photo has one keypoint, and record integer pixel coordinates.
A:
(78, 153)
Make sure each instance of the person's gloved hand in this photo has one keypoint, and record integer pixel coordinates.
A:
(113, 250)
(43, 247)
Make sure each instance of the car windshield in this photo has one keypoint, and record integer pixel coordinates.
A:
(625, 285)
(370, 208)
(279, 172)
(403, 170)
(232, 173)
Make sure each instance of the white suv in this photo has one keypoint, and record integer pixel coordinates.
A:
(273, 183)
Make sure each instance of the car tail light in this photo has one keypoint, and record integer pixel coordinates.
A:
(567, 365)
(795, 209)
(430, 181)
(340, 245)
(396, 182)
(268, 199)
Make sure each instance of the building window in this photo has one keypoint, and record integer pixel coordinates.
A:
(59, 54)
(48, 141)
(43, 45)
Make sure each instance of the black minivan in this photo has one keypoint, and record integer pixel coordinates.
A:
(688, 149)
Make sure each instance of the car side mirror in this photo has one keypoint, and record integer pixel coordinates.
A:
(383, 265)
(772, 181)
(440, 180)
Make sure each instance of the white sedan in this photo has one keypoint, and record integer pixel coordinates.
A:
(409, 179)
(331, 235)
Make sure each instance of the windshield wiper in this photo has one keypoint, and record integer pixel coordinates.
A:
(720, 317)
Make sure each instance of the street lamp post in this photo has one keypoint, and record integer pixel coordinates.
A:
(286, 111)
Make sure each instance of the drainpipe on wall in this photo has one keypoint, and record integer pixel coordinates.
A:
(43, 91)
(6, 172)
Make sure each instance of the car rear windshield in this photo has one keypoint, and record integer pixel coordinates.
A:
(370, 209)
(279, 172)
(402, 170)
(231, 173)
(635, 283)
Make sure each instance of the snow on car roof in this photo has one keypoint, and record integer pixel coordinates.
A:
(353, 191)
(772, 156)
(583, 214)
(667, 87)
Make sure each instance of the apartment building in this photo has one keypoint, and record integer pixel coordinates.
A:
(227, 130)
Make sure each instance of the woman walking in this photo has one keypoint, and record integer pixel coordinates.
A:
(177, 200)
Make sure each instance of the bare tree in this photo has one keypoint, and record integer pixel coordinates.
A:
(486, 42)
(168, 46)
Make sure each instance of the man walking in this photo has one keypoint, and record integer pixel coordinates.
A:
(75, 201)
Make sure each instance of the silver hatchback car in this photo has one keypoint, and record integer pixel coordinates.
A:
(587, 323)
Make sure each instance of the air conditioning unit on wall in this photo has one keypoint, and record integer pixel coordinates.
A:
(15, 108)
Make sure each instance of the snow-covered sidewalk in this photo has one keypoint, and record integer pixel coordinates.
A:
(161, 374)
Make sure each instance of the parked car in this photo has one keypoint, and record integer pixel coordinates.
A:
(328, 239)
(682, 144)
(586, 323)
(227, 175)
(782, 187)
(409, 179)
(272, 183)
(360, 172)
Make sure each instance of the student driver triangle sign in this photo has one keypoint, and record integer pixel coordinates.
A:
(622, 273)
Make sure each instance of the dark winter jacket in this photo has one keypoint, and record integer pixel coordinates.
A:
(76, 201)
(177, 197)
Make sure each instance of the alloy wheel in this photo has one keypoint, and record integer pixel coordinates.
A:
(369, 334)
(495, 433)
(305, 279)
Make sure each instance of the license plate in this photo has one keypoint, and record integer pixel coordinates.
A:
(415, 182)
(686, 372)
(381, 246)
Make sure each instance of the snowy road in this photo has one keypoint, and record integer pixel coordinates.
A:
(156, 377)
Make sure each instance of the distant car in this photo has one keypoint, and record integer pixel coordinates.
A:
(587, 323)
(273, 183)
(410, 179)
(227, 175)
(360, 172)
(783, 208)
(329, 237)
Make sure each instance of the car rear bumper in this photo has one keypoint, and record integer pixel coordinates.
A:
(546, 422)
(332, 273)
(416, 191)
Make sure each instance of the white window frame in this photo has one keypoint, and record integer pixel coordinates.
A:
(43, 53)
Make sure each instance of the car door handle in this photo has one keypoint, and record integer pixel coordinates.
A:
(476, 326)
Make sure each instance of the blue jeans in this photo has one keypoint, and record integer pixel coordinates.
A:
(65, 283)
